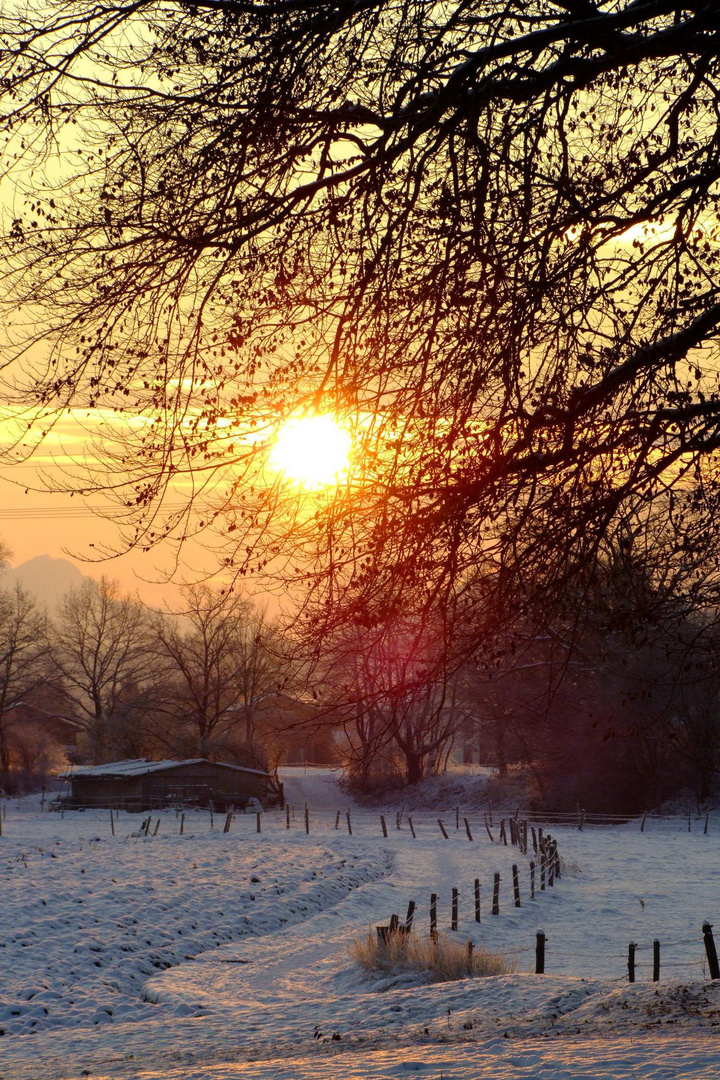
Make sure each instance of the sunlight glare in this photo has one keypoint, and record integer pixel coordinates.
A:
(313, 451)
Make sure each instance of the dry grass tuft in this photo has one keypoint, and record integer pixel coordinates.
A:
(441, 959)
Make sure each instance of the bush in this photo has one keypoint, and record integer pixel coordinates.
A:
(440, 959)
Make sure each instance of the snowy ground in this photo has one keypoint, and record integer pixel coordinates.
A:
(225, 956)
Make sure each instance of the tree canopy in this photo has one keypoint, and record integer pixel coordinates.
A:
(484, 236)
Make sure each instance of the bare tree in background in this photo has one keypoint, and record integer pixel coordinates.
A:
(485, 236)
(102, 653)
(219, 674)
(398, 711)
(24, 671)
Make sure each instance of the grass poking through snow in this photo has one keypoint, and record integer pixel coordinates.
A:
(440, 959)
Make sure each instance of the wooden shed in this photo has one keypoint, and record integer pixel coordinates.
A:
(148, 785)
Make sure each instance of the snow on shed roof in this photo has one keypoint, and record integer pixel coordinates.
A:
(140, 767)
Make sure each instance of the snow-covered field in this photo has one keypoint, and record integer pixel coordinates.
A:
(226, 956)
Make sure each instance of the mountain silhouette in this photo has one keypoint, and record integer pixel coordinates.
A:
(46, 578)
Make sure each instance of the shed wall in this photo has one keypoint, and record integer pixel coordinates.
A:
(201, 783)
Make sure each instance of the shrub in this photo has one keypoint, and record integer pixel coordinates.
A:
(440, 959)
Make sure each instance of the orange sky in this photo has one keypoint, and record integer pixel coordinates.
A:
(65, 527)
(35, 521)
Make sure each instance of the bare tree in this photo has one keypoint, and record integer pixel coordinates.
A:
(399, 713)
(485, 235)
(219, 672)
(102, 652)
(23, 670)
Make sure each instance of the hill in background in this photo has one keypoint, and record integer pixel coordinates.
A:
(46, 578)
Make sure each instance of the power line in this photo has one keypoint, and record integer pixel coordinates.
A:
(32, 513)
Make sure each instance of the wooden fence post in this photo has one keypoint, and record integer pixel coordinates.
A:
(540, 953)
(442, 829)
(707, 821)
(112, 823)
(457, 817)
(384, 826)
(287, 815)
(656, 960)
(477, 899)
(496, 894)
(503, 834)
(534, 836)
(433, 916)
(454, 915)
(542, 871)
(532, 880)
(470, 947)
(307, 819)
(228, 819)
(349, 823)
(412, 828)
(711, 951)
(182, 823)
(157, 826)
(631, 961)
(467, 828)
(409, 916)
(212, 816)
(642, 823)
(337, 820)
(492, 838)
(516, 884)
(550, 863)
(258, 826)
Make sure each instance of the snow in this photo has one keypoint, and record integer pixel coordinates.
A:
(141, 767)
(226, 955)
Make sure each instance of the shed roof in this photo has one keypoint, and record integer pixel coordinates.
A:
(140, 767)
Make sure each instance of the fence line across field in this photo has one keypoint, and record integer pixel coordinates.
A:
(455, 818)
(472, 825)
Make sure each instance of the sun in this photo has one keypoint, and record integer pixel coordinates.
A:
(313, 451)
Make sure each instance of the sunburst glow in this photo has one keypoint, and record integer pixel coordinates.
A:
(314, 451)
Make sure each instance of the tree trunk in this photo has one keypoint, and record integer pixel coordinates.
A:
(413, 767)
(500, 747)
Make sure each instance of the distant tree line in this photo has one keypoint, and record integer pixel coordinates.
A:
(610, 699)
(107, 678)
